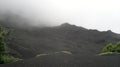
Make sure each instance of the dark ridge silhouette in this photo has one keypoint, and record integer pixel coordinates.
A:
(84, 44)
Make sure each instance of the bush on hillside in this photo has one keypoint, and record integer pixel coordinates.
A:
(111, 49)
(117, 47)
(108, 48)
(4, 57)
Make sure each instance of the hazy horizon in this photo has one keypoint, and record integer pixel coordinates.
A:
(92, 14)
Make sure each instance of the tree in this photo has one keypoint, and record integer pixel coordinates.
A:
(3, 42)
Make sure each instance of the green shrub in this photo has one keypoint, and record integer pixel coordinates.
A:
(108, 48)
(8, 59)
(4, 58)
(4, 33)
(111, 49)
(117, 47)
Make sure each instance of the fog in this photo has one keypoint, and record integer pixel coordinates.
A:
(92, 14)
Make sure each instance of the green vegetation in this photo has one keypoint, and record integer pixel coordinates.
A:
(108, 48)
(4, 57)
(9, 59)
(109, 53)
(111, 49)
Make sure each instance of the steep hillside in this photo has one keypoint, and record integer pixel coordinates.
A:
(31, 41)
(84, 44)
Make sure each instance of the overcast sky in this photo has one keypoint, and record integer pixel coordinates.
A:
(92, 14)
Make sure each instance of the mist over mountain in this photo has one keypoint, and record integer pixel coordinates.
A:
(12, 19)
(92, 14)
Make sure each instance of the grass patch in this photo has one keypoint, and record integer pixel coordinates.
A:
(39, 55)
(109, 53)
(66, 52)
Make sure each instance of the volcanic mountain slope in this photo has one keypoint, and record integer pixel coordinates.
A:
(84, 44)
